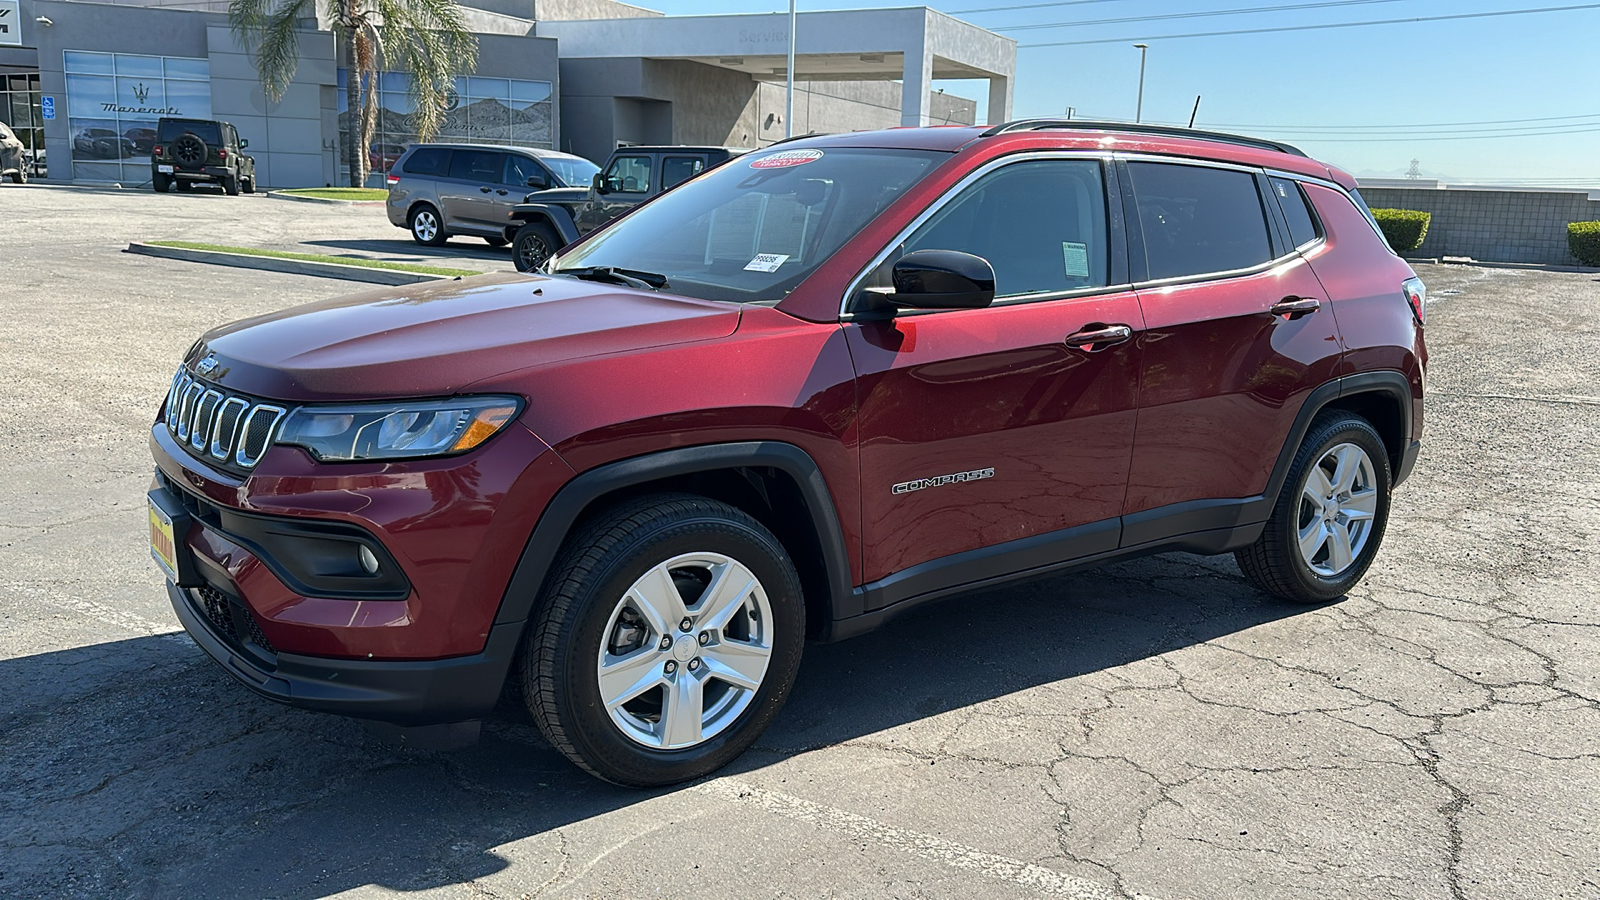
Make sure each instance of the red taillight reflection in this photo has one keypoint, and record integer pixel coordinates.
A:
(394, 179)
(222, 153)
(158, 151)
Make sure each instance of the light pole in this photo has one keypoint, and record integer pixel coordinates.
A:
(1138, 111)
(788, 112)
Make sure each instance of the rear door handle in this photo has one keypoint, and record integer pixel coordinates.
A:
(1098, 337)
(1295, 307)
(484, 190)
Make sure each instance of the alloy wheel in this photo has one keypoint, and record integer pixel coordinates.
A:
(532, 251)
(686, 650)
(425, 226)
(1337, 506)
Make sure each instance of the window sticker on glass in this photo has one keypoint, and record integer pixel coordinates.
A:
(1076, 258)
(767, 262)
(786, 158)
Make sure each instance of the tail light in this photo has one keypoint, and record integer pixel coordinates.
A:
(1416, 295)
(222, 153)
(393, 179)
(158, 150)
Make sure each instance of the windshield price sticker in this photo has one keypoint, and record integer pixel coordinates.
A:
(786, 158)
(767, 262)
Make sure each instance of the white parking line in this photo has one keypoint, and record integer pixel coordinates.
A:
(949, 853)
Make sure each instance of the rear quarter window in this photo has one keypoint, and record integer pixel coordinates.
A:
(427, 161)
(1303, 227)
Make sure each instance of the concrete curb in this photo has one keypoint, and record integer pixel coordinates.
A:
(277, 196)
(291, 266)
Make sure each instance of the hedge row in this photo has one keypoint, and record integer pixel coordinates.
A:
(1584, 240)
(1403, 228)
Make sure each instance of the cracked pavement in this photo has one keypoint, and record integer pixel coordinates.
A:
(1154, 728)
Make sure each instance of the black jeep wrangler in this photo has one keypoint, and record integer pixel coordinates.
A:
(550, 219)
(188, 151)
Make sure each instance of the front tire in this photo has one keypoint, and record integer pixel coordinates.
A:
(250, 185)
(535, 243)
(1330, 517)
(614, 679)
(426, 228)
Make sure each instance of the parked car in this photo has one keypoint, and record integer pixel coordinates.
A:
(142, 139)
(101, 143)
(548, 220)
(817, 387)
(382, 157)
(437, 191)
(13, 159)
(188, 152)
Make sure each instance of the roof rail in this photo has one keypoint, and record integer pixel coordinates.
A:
(1162, 130)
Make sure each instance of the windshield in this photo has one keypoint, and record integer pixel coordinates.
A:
(750, 230)
(572, 170)
(171, 130)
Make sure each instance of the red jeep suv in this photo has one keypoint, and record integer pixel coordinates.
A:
(795, 397)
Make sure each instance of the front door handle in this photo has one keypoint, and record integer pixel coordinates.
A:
(1295, 307)
(501, 192)
(1098, 337)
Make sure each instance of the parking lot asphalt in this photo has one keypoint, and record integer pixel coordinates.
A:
(1152, 728)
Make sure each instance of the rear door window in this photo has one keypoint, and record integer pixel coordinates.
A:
(1199, 220)
(629, 175)
(477, 165)
(428, 161)
(675, 170)
(1302, 222)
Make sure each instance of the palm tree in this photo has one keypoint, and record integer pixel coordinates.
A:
(426, 39)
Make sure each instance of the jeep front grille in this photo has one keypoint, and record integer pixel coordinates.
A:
(214, 424)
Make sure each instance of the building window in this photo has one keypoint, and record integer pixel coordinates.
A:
(20, 109)
(506, 111)
(114, 101)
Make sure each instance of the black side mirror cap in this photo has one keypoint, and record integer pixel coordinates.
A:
(538, 182)
(243, 143)
(599, 184)
(942, 279)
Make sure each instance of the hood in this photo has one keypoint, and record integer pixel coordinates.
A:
(558, 195)
(436, 338)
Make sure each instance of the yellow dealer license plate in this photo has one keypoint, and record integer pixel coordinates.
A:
(162, 544)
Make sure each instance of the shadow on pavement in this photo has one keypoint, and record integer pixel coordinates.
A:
(138, 767)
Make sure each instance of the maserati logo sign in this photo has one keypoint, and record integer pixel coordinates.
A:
(141, 93)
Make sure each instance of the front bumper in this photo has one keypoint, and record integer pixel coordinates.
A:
(405, 693)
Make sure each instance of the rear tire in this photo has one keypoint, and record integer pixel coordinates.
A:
(535, 243)
(1330, 516)
(161, 183)
(184, 186)
(426, 229)
(679, 703)
(230, 185)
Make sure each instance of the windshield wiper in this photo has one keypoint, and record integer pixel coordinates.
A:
(649, 281)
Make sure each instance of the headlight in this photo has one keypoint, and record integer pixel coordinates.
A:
(398, 430)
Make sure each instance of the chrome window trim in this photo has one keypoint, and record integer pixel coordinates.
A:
(951, 193)
(218, 451)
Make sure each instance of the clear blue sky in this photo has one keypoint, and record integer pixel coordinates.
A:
(1337, 93)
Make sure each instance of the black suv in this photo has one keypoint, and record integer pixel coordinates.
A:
(549, 220)
(187, 151)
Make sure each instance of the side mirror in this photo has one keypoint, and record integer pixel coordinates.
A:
(942, 279)
(538, 181)
(600, 183)
(243, 144)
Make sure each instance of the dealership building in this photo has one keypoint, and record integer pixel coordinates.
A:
(83, 83)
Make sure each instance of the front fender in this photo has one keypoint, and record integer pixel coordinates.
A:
(558, 217)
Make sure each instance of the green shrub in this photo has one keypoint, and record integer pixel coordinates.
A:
(1584, 239)
(1404, 229)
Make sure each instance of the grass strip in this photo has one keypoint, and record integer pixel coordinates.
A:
(317, 257)
(338, 193)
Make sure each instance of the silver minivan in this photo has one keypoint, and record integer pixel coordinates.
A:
(437, 191)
